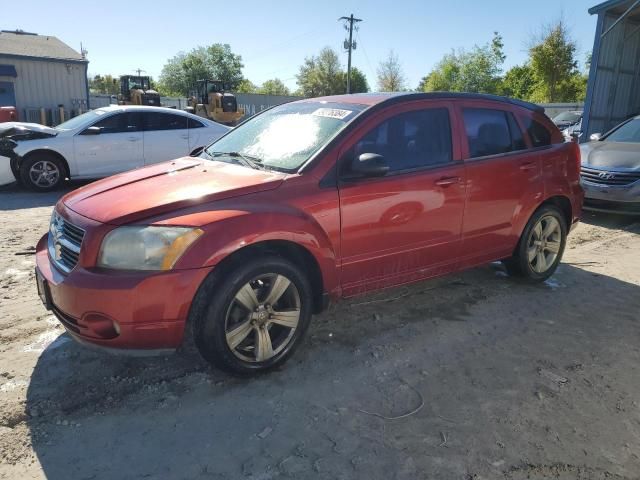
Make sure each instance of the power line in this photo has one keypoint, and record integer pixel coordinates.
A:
(350, 44)
(366, 57)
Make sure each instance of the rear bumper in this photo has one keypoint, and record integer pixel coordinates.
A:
(122, 310)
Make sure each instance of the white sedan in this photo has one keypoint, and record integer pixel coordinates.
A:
(100, 143)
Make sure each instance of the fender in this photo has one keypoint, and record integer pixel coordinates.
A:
(229, 231)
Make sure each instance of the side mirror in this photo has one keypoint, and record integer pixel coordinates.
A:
(92, 131)
(595, 137)
(370, 165)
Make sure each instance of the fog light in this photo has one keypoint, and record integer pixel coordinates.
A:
(101, 325)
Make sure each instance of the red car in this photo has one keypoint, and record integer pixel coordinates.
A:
(305, 203)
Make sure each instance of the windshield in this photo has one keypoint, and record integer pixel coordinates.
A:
(80, 120)
(568, 117)
(628, 132)
(286, 136)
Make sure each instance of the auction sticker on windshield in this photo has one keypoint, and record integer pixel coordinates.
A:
(338, 113)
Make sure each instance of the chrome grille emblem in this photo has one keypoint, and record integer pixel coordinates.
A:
(606, 176)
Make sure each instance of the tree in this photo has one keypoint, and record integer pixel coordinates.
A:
(477, 70)
(274, 87)
(321, 75)
(104, 84)
(359, 82)
(390, 75)
(215, 62)
(518, 82)
(246, 86)
(554, 66)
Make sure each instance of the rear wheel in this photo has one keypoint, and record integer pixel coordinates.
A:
(42, 172)
(541, 245)
(255, 318)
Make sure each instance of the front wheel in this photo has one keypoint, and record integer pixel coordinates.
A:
(541, 245)
(42, 172)
(256, 316)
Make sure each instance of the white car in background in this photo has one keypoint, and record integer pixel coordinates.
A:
(100, 143)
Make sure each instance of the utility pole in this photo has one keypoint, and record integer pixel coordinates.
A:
(349, 45)
(140, 71)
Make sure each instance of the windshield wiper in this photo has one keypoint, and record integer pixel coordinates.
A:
(247, 160)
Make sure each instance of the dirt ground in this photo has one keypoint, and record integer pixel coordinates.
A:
(472, 376)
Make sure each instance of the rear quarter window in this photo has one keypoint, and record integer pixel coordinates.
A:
(538, 133)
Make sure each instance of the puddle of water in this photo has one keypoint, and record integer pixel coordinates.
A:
(553, 283)
(50, 339)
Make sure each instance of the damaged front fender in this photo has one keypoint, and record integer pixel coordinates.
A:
(13, 132)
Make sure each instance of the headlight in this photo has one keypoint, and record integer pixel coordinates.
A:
(146, 247)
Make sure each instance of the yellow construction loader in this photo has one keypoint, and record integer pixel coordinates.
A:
(136, 90)
(210, 99)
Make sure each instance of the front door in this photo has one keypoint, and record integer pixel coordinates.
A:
(7, 95)
(116, 147)
(406, 225)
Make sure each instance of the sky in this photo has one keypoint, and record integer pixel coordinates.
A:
(274, 37)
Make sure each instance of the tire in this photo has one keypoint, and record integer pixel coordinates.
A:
(232, 336)
(538, 253)
(42, 172)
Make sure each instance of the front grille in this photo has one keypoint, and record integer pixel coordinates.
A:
(609, 177)
(65, 240)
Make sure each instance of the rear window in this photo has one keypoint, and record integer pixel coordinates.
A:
(491, 132)
(539, 134)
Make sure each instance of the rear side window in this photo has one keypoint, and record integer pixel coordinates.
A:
(539, 134)
(491, 132)
(195, 123)
(420, 138)
(164, 121)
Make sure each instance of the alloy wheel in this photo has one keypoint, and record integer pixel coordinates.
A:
(44, 173)
(544, 244)
(262, 318)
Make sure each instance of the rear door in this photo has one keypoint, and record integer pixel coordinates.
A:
(116, 148)
(406, 225)
(166, 136)
(503, 180)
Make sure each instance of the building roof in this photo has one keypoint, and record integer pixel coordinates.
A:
(22, 44)
(608, 5)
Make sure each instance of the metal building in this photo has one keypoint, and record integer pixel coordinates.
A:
(40, 71)
(613, 90)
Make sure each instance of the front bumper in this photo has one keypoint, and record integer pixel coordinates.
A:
(615, 199)
(121, 310)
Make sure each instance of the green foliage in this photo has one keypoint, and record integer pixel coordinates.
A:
(106, 84)
(321, 75)
(359, 82)
(274, 87)
(247, 86)
(518, 82)
(390, 75)
(554, 66)
(477, 70)
(215, 62)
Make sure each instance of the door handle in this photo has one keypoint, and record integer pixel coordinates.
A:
(528, 166)
(133, 139)
(446, 181)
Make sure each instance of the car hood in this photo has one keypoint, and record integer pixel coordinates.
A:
(166, 187)
(26, 131)
(614, 155)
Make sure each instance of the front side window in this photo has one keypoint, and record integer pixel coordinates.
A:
(491, 132)
(285, 137)
(164, 121)
(628, 132)
(119, 123)
(416, 139)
